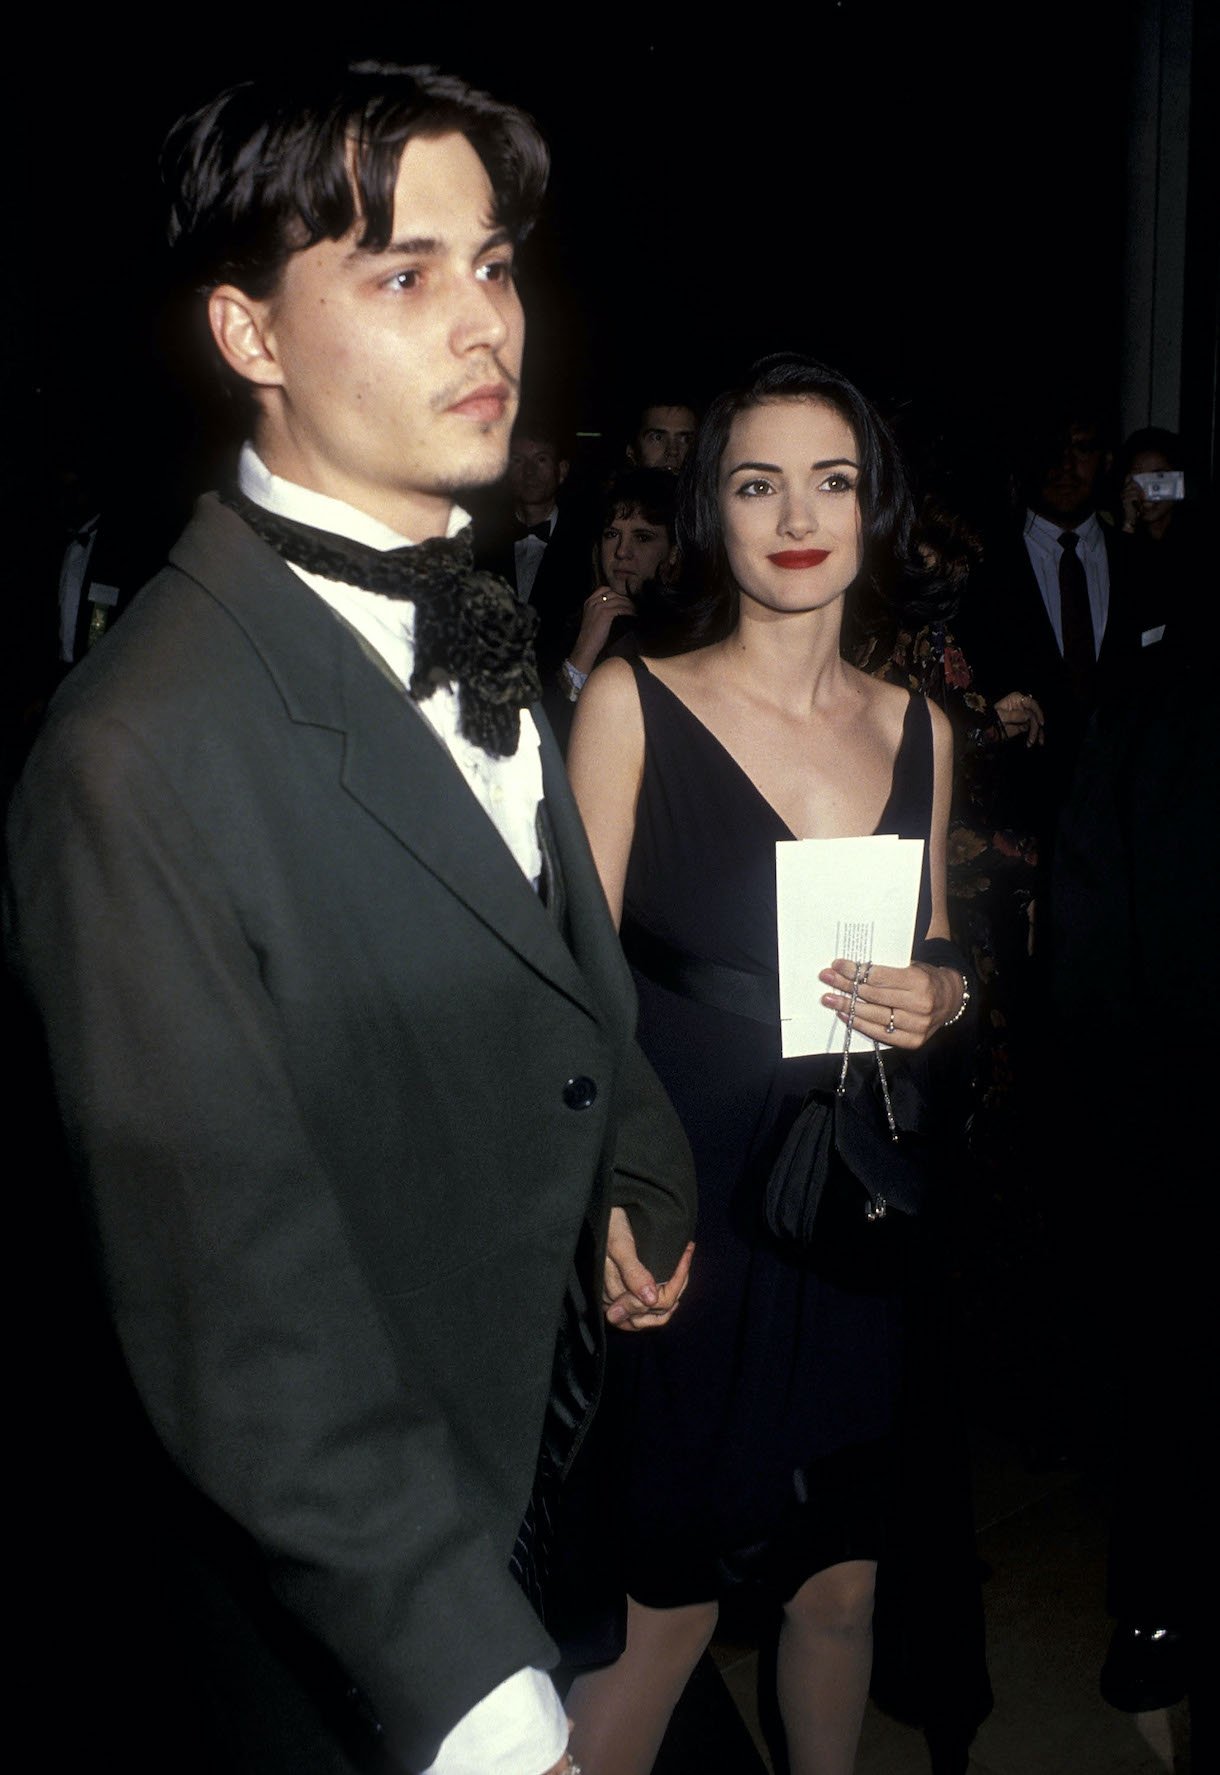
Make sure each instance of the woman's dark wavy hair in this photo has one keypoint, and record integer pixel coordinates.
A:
(710, 603)
(650, 491)
(275, 165)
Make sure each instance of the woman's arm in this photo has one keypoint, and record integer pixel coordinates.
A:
(904, 1006)
(606, 765)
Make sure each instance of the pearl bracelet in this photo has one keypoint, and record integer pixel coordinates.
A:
(961, 1009)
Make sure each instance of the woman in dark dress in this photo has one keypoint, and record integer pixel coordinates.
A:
(752, 1440)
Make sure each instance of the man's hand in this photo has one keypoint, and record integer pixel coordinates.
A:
(633, 1299)
(1021, 713)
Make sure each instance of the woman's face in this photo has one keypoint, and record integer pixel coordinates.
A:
(633, 550)
(789, 504)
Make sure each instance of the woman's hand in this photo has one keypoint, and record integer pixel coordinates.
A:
(600, 609)
(1018, 712)
(633, 1299)
(1133, 505)
(902, 1006)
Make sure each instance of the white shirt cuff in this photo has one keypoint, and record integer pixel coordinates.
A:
(576, 679)
(519, 1729)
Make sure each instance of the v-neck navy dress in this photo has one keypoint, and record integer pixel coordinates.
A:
(752, 1435)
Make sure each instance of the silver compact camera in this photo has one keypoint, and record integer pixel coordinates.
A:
(1169, 484)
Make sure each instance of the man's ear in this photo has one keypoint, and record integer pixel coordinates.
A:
(240, 327)
(563, 468)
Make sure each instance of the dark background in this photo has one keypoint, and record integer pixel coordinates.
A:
(932, 198)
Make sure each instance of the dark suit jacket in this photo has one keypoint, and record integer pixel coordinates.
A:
(342, 1097)
(1006, 635)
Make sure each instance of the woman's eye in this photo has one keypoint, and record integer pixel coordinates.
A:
(404, 280)
(754, 489)
(838, 484)
(609, 535)
(642, 538)
(496, 271)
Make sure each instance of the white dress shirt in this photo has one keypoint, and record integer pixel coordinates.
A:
(520, 1728)
(1045, 553)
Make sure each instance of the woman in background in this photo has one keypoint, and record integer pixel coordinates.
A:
(634, 548)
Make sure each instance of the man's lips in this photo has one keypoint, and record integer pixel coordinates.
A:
(486, 403)
(795, 559)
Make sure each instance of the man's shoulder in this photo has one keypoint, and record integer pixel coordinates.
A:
(222, 628)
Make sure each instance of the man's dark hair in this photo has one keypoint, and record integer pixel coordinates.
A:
(275, 165)
(711, 607)
(665, 400)
(650, 491)
(544, 428)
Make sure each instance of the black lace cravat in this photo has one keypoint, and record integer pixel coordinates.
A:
(541, 531)
(470, 630)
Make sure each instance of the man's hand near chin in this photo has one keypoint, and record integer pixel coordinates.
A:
(634, 1300)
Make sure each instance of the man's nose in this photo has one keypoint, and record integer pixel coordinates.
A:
(481, 320)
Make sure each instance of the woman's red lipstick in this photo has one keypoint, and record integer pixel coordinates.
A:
(797, 558)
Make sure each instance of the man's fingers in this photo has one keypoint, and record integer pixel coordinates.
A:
(636, 1277)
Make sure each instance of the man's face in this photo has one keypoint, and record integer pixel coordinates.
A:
(535, 473)
(664, 438)
(1071, 475)
(390, 379)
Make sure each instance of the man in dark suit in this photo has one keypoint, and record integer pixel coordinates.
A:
(341, 1036)
(544, 548)
(1049, 611)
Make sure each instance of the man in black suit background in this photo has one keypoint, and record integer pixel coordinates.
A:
(1049, 610)
(543, 547)
(340, 1034)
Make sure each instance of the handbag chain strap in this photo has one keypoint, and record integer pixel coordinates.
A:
(859, 979)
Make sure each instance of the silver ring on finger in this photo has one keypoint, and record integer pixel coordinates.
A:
(890, 1026)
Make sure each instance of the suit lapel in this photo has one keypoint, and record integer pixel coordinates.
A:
(393, 764)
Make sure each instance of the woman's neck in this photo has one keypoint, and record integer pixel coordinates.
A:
(789, 660)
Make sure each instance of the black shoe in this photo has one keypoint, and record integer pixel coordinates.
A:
(1145, 1668)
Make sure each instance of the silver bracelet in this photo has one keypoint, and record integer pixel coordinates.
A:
(961, 1009)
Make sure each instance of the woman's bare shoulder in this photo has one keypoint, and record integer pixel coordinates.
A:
(608, 715)
(610, 686)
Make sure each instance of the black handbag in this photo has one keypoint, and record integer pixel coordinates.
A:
(854, 1171)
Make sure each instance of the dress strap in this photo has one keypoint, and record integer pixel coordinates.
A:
(913, 785)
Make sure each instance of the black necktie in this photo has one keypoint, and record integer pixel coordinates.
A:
(470, 631)
(541, 531)
(1075, 617)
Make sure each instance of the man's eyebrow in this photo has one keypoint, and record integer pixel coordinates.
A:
(426, 246)
(423, 246)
